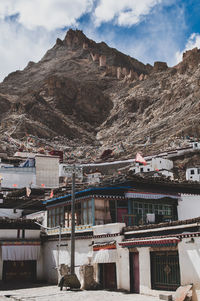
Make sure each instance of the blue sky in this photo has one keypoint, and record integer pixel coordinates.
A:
(148, 30)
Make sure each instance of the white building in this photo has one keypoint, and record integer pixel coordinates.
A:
(163, 166)
(20, 251)
(43, 173)
(193, 174)
(94, 177)
(188, 206)
(163, 258)
(65, 171)
(196, 145)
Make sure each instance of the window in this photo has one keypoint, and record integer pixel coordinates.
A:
(68, 215)
(140, 209)
(87, 212)
(141, 169)
(192, 172)
(55, 216)
(198, 171)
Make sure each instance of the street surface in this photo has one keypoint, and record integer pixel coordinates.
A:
(53, 293)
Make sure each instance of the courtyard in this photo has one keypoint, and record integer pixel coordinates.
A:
(53, 293)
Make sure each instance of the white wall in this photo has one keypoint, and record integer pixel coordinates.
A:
(145, 272)
(160, 163)
(193, 177)
(82, 249)
(123, 269)
(19, 176)
(10, 213)
(188, 206)
(83, 254)
(65, 170)
(189, 260)
(12, 234)
(47, 171)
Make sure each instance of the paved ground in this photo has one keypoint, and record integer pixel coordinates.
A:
(52, 293)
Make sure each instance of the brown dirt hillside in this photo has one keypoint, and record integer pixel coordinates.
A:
(84, 97)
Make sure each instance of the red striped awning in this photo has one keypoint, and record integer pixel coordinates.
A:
(104, 246)
(150, 242)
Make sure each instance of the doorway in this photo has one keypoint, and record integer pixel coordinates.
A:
(19, 270)
(165, 271)
(107, 276)
(134, 272)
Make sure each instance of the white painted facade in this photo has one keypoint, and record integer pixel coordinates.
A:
(10, 213)
(189, 260)
(93, 178)
(160, 163)
(45, 174)
(47, 171)
(84, 254)
(17, 177)
(40, 216)
(193, 174)
(163, 166)
(65, 171)
(196, 145)
(11, 235)
(188, 206)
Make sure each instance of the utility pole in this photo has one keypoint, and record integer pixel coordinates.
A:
(73, 221)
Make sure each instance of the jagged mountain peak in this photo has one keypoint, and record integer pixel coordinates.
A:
(90, 94)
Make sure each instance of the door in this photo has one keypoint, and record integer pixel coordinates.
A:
(165, 271)
(121, 212)
(19, 270)
(134, 273)
(107, 275)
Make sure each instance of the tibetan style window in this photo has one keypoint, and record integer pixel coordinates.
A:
(86, 212)
(55, 216)
(68, 215)
(140, 211)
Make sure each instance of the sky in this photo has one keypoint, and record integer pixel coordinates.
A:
(148, 30)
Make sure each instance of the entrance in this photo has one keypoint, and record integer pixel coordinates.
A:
(121, 213)
(107, 276)
(134, 272)
(19, 270)
(165, 271)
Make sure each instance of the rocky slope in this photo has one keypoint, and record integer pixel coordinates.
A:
(84, 97)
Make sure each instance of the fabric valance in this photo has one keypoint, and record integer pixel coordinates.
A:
(20, 252)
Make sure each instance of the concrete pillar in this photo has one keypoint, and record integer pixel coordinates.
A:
(145, 270)
(102, 61)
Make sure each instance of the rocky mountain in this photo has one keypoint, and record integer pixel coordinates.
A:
(84, 97)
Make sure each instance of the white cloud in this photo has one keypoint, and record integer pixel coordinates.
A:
(123, 12)
(50, 14)
(28, 28)
(193, 42)
(19, 45)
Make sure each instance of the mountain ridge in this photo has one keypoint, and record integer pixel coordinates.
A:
(91, 97)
